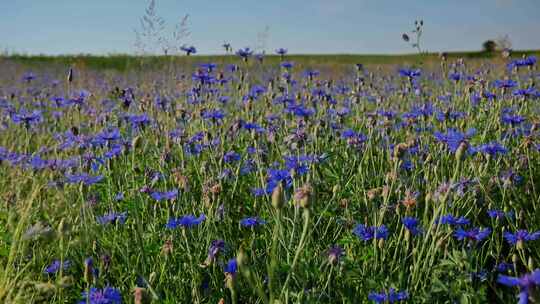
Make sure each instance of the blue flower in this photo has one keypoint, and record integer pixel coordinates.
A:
(510, 119)
(497, 214)
(281, 51)
(455, 76)
(187, 221)
(411, 73)
(525, 283)
(287, 65)
(107, 295)
(493, 149)
(215, 115)
(112, 217)
(504, 267)
(252, 222)
(453, 221)
(231, 267)
(367, 233)
(529, 92)
(475, 234)
(525, 62)
(412, 224)
(83, 178)
(138, 121)
(521, 236)
(215, 247)
(505, 84)
(392, 296)
(245, 53)
(27, 117)
(276, 176)
(29, 76)
(164, 196)
(453, 138)
(189, 50)
(55, 266)
(231, 157)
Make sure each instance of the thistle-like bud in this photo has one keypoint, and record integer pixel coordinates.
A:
(229, 280)
(241, 258)
(136, 142)
(335, 189)
(140, 296)
(278, 198)
(62, 228)
(399, 150)
(303, 196)
(70, 75)
(88, 270)
(460, 152)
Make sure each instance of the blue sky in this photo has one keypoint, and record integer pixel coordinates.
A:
(317, 26)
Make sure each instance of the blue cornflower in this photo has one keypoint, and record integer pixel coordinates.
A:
(164, 196)
(455, 76)
(504, 267)
(453, 138)
(138, 120)
(334, 254)
(245, 53)
(493, 149)
(475, 234)
(392, 296)
(521, 236)
(505, 84)
(107, 295)
(83, 178)
(187, 221)
(497, 214)
(107, 136)
(215, 247)
(55, 266)
(367, 233)
(411, 73)
(281, 52)
(253, 126)
(287, 65)
(231, 157)
(525, 283)
(528, 92)
(453, 221)
(252, 222)
(29, 76)
(276, 176)
(208, 66)
(525, 62)
(231, 267)
(213, 114)
(112, 217)
(510, 119)
(412, 224)
(119, 196)
(311, 73)
(189, 50)
(27, 117)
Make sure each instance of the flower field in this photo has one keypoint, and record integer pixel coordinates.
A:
(271, 182)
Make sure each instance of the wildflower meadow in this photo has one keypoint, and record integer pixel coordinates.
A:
(259, 179)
